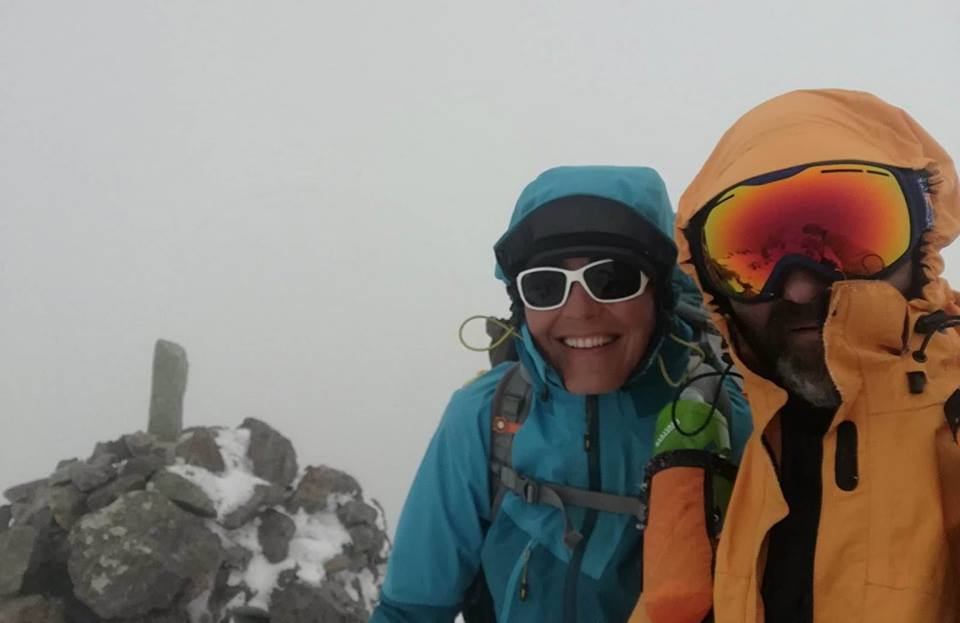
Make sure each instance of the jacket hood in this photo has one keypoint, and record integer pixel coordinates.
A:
(803, 127)
(640, 190)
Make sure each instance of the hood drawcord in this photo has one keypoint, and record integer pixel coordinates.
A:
(508, 332)
(695, 348)
(932, 324)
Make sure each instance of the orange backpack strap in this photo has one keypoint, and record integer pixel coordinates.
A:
(511, 405)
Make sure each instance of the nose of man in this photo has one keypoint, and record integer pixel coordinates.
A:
(803, 286)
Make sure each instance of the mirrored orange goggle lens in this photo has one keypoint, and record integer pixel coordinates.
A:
(850, 218)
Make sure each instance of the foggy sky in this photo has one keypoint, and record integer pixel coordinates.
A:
(305, 194)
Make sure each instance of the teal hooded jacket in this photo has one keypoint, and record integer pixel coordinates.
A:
(446, 535)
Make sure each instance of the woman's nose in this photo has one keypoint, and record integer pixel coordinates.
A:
(580, 304)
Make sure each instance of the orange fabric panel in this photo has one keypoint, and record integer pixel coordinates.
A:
(677, 552)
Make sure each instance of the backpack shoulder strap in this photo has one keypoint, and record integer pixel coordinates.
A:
(511, 405)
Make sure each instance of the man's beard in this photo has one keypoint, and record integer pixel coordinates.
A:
(810, 382)
(802, 371)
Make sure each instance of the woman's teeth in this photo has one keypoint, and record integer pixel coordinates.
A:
(587, 342)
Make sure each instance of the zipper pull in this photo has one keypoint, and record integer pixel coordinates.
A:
(524, 585)
(587, 436)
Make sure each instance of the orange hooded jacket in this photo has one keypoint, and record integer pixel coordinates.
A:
(887, 551)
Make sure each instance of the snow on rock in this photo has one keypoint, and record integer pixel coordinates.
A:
(286, 544)
(234, 487)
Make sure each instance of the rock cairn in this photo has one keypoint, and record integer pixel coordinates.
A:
(216, 526)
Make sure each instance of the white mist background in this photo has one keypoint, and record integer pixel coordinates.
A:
(305, 194)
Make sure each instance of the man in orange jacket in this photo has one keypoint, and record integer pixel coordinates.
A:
(815, 230)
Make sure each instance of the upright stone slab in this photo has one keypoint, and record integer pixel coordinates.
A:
(166, 395)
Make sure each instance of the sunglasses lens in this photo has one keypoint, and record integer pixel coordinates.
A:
(613, 280)
(849, 218)
(543, 288)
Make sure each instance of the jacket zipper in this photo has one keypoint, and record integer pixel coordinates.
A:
(591, 445)
(524, 590)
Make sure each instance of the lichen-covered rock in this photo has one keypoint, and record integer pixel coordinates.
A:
(32, 609)
(272, 454)
(138, 555)
(199, 447)
(316, 486)
(92, 546)
(183, 493)
(16, 548)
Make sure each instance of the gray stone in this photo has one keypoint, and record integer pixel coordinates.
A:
(274, 534)
(250, 614)
(64, 472)
(157, 617)
(366, 539)
(317, 484)
(16, 549)
(34, 511)
(287, 577)
(237, 557)
(183, 493)
(116, 449)
(87, 477)
(272, 454)
(143, 466)
(77, 611)
(67, 504)
(105, 495)
(340, 562)
(142, 444)
(357, 512)
(223, 593)
(201, 449)
(6, 516)
(32, 609)
(139, 554)
(166, 395)
(263, 496)
(328, 603)
(359, 561)
(26, 491)
(47, 573)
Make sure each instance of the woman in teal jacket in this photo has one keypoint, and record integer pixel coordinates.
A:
(600, 353)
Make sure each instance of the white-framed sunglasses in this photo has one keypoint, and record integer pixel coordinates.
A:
(544, 288)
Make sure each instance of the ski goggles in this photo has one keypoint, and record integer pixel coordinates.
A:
(606, 281)
(839, 220)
